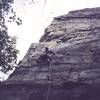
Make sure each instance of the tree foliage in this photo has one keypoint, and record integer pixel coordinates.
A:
(8, 52)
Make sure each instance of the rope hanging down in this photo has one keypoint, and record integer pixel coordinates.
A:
(45, 1)
(49, 86)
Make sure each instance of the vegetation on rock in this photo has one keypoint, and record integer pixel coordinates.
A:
(8, 51)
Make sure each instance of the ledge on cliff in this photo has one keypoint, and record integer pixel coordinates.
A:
(84, 13)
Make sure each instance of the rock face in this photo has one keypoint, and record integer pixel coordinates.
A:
(74, 72)
(80, 23)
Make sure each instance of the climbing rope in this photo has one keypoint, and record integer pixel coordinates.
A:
(49, 85)
(44, 6)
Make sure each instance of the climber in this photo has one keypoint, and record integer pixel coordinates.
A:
(46, 57)
(49, 52)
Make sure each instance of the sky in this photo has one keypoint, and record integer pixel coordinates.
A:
(37, 16)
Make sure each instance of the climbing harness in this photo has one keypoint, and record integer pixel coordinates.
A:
(49, 85)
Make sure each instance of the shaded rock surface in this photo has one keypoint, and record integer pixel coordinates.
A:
(74, 73)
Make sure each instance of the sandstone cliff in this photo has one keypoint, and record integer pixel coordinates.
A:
(75, 68)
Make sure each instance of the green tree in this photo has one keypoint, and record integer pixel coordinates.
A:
(8, 51)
